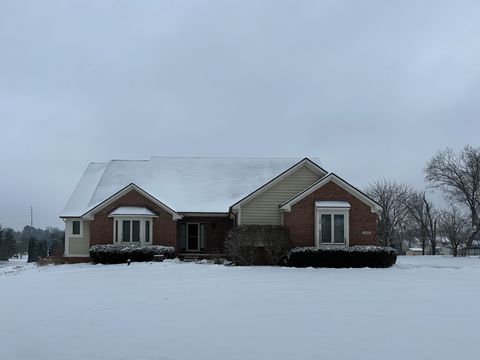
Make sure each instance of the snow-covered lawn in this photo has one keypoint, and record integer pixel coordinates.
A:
(423, 308)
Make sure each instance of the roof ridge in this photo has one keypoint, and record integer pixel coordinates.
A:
(128, 160)
(226, 157)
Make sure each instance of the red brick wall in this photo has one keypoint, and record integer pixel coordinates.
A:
(164, 228)
(216, 229)
(301, 219)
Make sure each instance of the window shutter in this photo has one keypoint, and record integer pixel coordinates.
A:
(183, 237)
(202, 236)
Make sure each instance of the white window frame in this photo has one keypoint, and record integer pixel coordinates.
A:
(71, 234)
(142, 220)
(346, 226)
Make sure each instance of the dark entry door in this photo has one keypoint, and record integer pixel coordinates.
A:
(193, 237)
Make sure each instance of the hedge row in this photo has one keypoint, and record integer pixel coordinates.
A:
(118, 254)
(342, 257)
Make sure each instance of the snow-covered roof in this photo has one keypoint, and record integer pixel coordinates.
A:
(332, 204)
(181, 183)
(131, 210)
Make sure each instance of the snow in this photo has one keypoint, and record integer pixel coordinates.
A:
(423, 308)
(131, 210)
(81, 196)
(183, 184)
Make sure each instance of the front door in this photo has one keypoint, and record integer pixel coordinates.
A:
(193, 237)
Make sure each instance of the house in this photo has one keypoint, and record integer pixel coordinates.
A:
(413, 251)
(192, 203)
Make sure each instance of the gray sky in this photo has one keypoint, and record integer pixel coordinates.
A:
(373, 88)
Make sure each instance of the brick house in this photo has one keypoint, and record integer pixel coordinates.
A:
(192, 203)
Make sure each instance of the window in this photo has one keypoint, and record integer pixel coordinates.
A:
(116, 230)
(126, 231)
(76, 227)
(332, 228)
(326, 228)
(136, 231)
(147, 231)
(338, 229)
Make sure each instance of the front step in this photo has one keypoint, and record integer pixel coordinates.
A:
(190, 258)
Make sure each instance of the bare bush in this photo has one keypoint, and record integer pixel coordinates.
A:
(240, 245)
(244, 243)
(275, 243)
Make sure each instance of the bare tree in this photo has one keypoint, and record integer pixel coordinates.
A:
(392, 197)
(459, 176)
(453, 225)
(423, 214)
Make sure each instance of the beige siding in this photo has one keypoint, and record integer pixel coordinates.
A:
(264, 209)
(78, 246)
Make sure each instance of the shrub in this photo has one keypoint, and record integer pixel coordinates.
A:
(118, 254)
(245, 244)
(342, 257)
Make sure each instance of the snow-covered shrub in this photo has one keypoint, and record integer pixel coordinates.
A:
(342, 257)
(118, 254)
(253, 244)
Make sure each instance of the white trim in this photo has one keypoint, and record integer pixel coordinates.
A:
(304, 162)
(67, 241)
(375, 208)
(332, 212)
(89, 214)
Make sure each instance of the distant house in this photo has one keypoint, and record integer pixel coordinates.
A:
(192, 203)
(413, 251)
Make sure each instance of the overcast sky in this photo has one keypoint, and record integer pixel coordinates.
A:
(372, 88)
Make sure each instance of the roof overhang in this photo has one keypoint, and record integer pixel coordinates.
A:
(375, 207)
(89, 214)
(304, 162)
(332, 205)
(204, 214)
(136, 211)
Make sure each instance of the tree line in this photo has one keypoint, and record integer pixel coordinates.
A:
(410, 213)
(35, 242)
